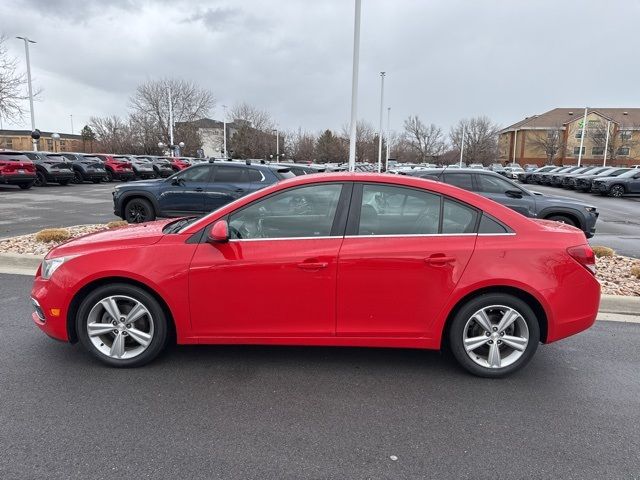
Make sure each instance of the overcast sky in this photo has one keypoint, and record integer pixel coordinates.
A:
(445, 59)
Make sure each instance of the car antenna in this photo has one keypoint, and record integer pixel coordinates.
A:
(442, 172)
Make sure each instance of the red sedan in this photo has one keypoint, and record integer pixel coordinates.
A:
(355, 260)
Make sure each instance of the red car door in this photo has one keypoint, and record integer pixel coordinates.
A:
(277, 274)
(404, 252)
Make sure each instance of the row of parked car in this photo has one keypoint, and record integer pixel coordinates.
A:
(27, 169)
(612, 181)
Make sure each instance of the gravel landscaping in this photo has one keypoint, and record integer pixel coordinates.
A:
(614, 272)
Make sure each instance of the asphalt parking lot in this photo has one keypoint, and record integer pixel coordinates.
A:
(618, 225)
(24, 212)
(268, 412)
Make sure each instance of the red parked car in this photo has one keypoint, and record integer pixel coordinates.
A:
(179, 163)
(359, 260)
(117, 168)
(17, 169)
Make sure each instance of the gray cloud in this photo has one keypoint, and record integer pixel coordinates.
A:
(445, 59)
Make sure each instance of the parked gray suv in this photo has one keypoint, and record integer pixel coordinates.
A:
(504, 191)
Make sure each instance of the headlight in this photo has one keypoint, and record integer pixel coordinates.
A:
(51, 265)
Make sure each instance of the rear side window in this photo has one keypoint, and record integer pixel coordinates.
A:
(489, 225)
(458, 218)
(254, 175)
(230, 175)
(462, 180)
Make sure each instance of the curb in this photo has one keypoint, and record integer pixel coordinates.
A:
(28, 264)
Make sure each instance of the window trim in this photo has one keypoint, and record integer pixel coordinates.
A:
(353, 221)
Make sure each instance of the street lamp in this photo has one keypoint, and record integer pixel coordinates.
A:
(380, 129)
(56, 138)
(27, 41)
(354, 87)
(277, 144)
(224, 127)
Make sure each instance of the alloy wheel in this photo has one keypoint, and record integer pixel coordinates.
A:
(495, 336)
(120, 327)
(617, 191)
(136, 213)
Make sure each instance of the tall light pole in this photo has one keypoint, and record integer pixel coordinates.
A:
(606, 145)
(380, 128)
(515, 141)
(170, 121)
(354, 87)
(33, 120)
(71, 116)
(464, 127)
(386, 160)
(584, 134)
(277, 145)
(224, 133)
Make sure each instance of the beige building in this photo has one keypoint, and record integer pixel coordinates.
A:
(611, 135)
(21, 140)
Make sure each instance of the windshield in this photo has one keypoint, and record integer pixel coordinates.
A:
(89, 158)
(628, 173)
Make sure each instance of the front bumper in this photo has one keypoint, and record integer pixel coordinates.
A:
(51, 304)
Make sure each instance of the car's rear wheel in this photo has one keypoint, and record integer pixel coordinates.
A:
(41, 179)
(77, 177)
(139, 210)
(494, 335)
(616, 191)
(108, 177)
(122, 325)
(563, 219)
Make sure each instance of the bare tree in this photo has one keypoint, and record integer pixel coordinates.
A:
(13, 86)
(301, 145)
(551, 142)
(113, 134)
(480, 140)
(189, 101)
(427, 140)
(621, 138)
(258, 119)
(366, 141)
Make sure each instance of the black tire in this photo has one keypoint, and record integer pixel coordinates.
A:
(64, 182)
(108, 177)
(139, 210)
(160, 327)
(460, 321)
(41, 179)
(26, 186)
(77, 177)
(616, 191)
(563, 219)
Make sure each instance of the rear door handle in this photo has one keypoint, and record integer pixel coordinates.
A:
(312, 265)
(439, 260)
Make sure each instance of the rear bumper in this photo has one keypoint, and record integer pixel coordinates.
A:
(165, 172)
(16, 179)
(146, 174)
(123, 175)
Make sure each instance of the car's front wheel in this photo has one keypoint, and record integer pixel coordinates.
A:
(139, 210)
(122, 325)
(494, 335)
(616, 191)
(77, 177)
(41, 179)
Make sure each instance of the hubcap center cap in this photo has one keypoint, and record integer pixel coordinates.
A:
(495, 336)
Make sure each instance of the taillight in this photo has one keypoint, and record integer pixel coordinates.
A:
(584, 256)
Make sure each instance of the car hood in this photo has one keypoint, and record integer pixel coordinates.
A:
(123, 237)
(610, 179)
(544, 199)
(140, 183)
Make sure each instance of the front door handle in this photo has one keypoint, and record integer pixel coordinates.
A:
(239, 190)
(439, 259)
(199, 189)
(312, 265)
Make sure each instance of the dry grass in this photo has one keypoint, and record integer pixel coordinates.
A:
(600, 251)
(117, 224)
(52, 235)
(635, 271)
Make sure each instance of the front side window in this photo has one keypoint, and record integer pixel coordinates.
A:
(491, 184)
(196, 174)
(294, 213)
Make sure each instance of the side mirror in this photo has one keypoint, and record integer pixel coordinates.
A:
(177, 181)
(513, 193)
(219, 232)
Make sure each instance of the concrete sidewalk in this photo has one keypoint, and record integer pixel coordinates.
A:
(615, 308)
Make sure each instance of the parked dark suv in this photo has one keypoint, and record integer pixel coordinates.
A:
(86, 168)
(51, 168)
(196, 190)
(161, 166)
(512, 195)
(584, 183)
(624, 184)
